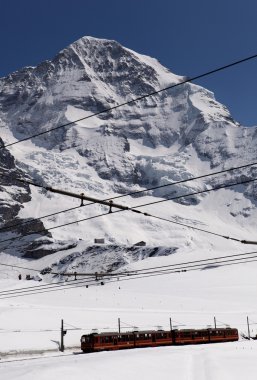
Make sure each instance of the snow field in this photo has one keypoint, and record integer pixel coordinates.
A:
(229, 361)
(191, 300)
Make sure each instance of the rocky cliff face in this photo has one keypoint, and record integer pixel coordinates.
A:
(174, 135)
(13, 195)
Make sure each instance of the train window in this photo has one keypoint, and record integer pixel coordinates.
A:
(85, 339)
(159, 336)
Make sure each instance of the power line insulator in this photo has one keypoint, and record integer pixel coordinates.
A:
(111, 203)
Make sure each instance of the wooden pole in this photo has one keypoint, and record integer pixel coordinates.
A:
(119, 324)
(215, 324)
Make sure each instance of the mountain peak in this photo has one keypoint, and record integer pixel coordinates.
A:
(173, 135)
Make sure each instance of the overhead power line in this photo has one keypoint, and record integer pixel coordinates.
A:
(134, 209)
(5, 228)
(182, 271)
(19, 267)
(32, 221)
(212, 260)
(207, 261)
(105, 110)
(77, 284)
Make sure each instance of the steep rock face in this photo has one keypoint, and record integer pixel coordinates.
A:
(177, 134)
(13, 193)
(20, 236)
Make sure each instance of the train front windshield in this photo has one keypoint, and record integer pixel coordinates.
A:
(86, 339)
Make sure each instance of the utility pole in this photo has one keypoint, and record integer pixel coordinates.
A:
(170, 324)
(119, 325)
(63, 332)
(215, 324)
(248, 326)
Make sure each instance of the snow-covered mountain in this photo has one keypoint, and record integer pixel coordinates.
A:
(177, 134)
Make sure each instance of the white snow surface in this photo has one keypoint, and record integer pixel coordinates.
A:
(230, 362)
(30, 326)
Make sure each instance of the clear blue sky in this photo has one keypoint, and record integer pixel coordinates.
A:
(187, 36)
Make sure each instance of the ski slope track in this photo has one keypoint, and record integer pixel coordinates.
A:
(177, 134)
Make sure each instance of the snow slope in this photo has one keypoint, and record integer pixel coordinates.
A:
(231, 362)
(30, 326)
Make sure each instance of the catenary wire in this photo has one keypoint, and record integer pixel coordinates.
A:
(203, 261)
(150, 215)
(20, 267)
(125, 273)
(6, 228)
(180, 268)
(118, 196)
(124, 279)
(119, 274)
(172, 267)
(181, 271)
(135, 99)
(203, 265)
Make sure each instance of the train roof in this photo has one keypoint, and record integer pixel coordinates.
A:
(158, 331)
(128, 332)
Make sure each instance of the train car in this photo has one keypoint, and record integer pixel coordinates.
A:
(205, 336)
(137, 339)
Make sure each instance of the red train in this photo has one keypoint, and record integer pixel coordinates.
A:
(114, 341)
